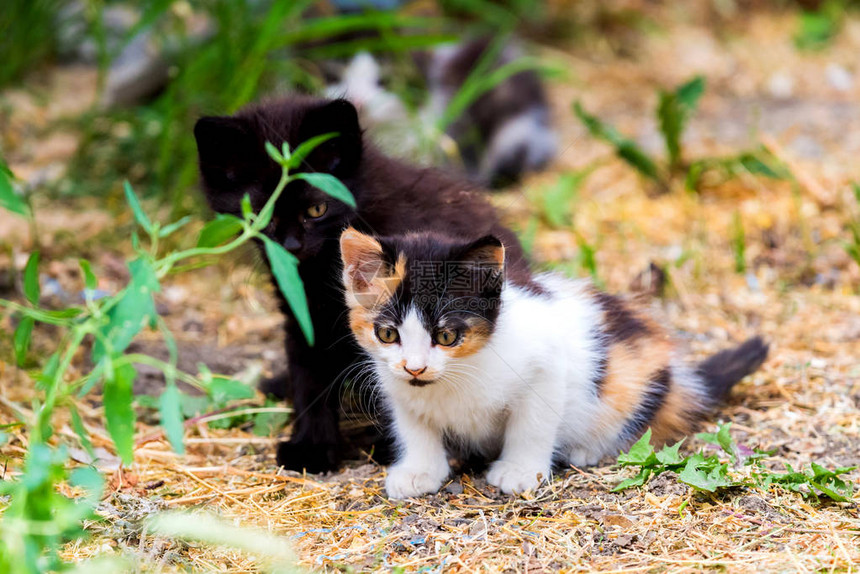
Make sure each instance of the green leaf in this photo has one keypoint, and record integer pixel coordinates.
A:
(725, 440)
(673, 111)
(31, 278)
(739, 244)
(763, 163)
(588, 257)
(266, 424)
(625, 148)
(170, 409)
(829, 483)
(134, 310)
(223, 390)
(330, 185)
(694, 175)
(641, 453)
(8, 198)
(558, 199)
(286, 271)
(136, 209)
(81, 431)
(92, 482)
(306, 147)
(638, 480)
(193, 405)
(690, 92)
(670, 455)
(22, 339)
(818, 28)
(119, 413)
(175, 226)
(89, 277)
(275, 154)
(49, 371)
(247, 209)
(671, 125)
(219, 230)
(528, 234)
(706, 474)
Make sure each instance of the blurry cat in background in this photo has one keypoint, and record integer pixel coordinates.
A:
(524, 371)
(505, 133)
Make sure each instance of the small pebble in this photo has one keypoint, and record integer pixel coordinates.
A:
(781, 85)
(454, 488)
(839, 78)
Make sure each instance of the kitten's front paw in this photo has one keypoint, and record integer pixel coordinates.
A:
(582, 457)
(313, 458)
(406, 482)
(512, 477)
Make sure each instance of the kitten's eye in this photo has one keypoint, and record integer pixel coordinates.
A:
(446, 337)
(387, 335)
(316, 211)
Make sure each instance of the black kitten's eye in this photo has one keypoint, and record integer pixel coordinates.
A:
(446, 337)
(316, 211)
(387, 335)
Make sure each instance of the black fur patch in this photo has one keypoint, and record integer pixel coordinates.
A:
(621, 324)
(725, 369)
(655, 396)
(446, 282)
(602, 368)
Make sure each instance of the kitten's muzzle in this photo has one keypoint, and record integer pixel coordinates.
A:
(415, 372)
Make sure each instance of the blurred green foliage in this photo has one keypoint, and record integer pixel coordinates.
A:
(27, 35)
(253, 48)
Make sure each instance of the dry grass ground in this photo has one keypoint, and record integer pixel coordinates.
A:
(800, 291)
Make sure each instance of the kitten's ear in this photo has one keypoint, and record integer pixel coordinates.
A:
(369, 280)
(339, 156)
(227, 149)
(487, 251)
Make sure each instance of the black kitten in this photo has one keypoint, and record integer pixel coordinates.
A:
(392, 198)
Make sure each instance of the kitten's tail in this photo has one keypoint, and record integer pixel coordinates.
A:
(723, 370)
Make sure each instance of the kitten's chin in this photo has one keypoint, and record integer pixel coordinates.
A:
(421, 382)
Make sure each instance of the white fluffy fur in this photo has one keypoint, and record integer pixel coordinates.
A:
(527, 133)
(360, 85)
(529, 392)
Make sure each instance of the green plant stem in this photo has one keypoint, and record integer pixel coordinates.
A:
(168, 369)
(46, 410)
(40, 316)
(164, 266)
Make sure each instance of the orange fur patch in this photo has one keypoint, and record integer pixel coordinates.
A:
(368, 280)
(474, 340)
(361, 324)
(629, 369)
(673, 420)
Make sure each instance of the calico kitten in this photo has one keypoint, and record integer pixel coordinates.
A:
(467, 358)
(506, 131)
(392, 198)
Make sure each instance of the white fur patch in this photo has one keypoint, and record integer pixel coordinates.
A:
(528, 133)
(529, 393)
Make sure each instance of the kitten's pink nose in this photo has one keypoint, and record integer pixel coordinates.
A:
(414, 372)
